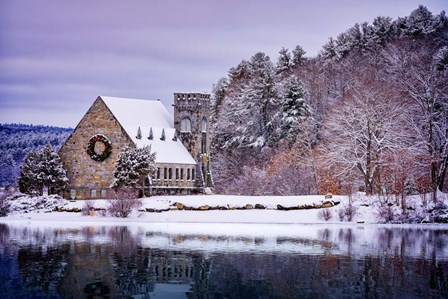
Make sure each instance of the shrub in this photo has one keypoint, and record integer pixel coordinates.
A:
(386, 212)
(88, 207)
(341, 214)
(350, 212)
(325, 214)
(123, 204)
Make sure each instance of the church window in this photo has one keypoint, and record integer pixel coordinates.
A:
(192, 174)
(158, 173)
(177, 173)
(170, 173)
(185, 125)
(93, 193)
(188, 174)
(181, 173)
(165, 174)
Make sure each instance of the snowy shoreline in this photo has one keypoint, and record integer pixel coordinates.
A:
(235, 213)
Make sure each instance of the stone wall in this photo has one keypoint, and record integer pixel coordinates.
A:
(196, 107)
(174, 178)
(84, 173)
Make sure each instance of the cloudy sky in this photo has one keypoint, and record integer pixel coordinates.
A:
(56, 57)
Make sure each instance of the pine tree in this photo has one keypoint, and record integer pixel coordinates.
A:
(298, 55)
(283, 62)
(133, 166)
(27, 177)
(42, 169)
(294, 110)
(257, 103)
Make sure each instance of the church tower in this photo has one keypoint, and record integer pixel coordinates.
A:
(191, 117)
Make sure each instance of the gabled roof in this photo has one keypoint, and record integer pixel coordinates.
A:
(135, 112)
(147, 115)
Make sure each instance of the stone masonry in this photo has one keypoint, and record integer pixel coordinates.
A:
(85, 174)
(195, 107)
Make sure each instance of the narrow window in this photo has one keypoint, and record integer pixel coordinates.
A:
(188, 174)
(158, 173)
(181, 173)
(170, 173)
(103, 193)
(165, 173)
(192, 174)
(185, 125)
(93, 193)
(177, 173)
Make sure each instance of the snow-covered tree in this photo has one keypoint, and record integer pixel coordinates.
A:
(420, 21)
(133, 167)
(42, 169)
(421, 74)
(27, 177)
(7, 169)
(362, 129)
(294, 111)
(256, 105)
(298, 55)
(283, 62)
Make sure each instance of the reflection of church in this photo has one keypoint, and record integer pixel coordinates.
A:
(98, 271)
(181, 145)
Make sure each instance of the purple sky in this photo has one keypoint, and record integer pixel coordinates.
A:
(56, 57)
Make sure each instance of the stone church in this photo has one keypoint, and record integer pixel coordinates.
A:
(181, 145)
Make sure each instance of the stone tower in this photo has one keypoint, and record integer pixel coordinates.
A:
(191, 117)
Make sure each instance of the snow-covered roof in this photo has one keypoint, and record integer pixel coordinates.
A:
(148, 115)
(131, 112)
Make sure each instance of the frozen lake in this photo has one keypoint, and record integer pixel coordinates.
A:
(184, 260)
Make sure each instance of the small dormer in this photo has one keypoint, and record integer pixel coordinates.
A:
(139, 133)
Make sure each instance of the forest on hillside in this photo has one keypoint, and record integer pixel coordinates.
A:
(18, 139)
(369, 113)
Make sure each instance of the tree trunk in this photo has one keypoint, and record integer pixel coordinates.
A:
(434, 180)
(442, 175)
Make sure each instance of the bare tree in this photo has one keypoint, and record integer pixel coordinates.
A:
(422, 74)
(367, 124)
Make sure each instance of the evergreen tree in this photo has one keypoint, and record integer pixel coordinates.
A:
(133, 166)
(42, 169)
(421, 21)
(298, 55)
(284, 61)
(27, 177)
(256, 107)
(294, 110)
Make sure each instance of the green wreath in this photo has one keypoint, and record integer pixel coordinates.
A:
(91, 147)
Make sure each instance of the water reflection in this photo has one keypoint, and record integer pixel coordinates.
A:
(295, 262)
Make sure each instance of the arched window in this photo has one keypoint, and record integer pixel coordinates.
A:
(204, 125)
(185, 125)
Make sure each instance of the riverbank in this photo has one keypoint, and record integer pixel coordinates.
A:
(232, 209)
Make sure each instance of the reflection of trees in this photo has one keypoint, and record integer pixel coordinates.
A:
(131, 272)
(112, 262)
(4, 233)
(123, 241)
(42, 268)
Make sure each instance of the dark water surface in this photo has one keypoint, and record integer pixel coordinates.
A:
(277, 261)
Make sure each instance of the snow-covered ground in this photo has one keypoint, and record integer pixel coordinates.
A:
(162, 209)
